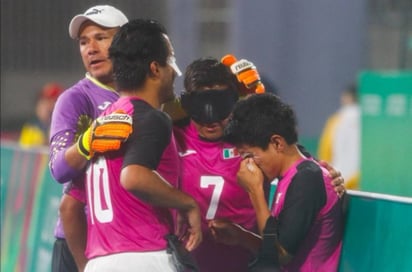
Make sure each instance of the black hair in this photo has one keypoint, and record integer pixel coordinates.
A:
(207, 72)
(257, 118)
(138, 43)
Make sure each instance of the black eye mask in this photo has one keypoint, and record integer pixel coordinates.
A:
(211, 106)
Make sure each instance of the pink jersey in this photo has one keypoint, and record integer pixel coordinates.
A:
(117, 220)
(320, 250)
(209, 176)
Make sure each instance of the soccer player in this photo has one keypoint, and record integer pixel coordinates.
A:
(72, 115)
(130, 192)
(209, 165)
(303, 229)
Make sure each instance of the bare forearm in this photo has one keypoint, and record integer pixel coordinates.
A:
(75, 228)
(152, 188)
(259, 203)
(162, 195)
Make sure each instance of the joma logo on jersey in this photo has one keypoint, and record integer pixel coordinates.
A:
(104, 105)
(229, 153)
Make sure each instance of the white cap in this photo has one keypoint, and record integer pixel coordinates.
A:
(103, 15)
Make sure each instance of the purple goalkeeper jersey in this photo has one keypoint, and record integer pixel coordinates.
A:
(75, 109)
(118, 221)
(209, 176)
(319, 247)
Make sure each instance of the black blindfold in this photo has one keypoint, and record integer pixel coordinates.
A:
(210, 106)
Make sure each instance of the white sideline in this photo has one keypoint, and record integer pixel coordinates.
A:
(402, 199)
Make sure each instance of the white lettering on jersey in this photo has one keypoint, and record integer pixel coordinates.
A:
(98, 191)
(217, 182)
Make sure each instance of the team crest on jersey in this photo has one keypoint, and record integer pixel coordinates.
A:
(229, 153)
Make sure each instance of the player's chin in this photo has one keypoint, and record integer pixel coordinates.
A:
(215, 136)
(102, 74)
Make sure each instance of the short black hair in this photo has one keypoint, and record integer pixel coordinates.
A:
(207, 72)
(257, 118)
(138, 43)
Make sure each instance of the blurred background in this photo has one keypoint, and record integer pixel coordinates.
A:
(308, 50)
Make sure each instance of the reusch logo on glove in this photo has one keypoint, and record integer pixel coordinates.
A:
(117, 117)
(241, 65)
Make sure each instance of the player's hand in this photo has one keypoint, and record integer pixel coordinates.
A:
(337, 178)
(249, 176)
(106, 133)
(246, 74)
(224, 231)
(189, 227)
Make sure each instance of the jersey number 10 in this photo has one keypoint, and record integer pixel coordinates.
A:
(98, 192)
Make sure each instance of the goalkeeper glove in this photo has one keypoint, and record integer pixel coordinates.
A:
(106, 133)
(246, 74)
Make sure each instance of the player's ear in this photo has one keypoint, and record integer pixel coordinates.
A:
(154, 68)
(277, 142)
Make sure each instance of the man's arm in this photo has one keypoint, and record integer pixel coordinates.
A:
(152, 132)
(74, 224)
(150, 187)
(106, 133)
(69, 119)
(305, 197)
(251, 178)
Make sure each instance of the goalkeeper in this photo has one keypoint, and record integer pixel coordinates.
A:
(73, 114)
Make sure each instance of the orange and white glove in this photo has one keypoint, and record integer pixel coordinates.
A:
(246, 73)
(106, 133)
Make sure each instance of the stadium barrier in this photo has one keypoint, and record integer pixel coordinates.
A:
(29, 203)
(377, 235)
